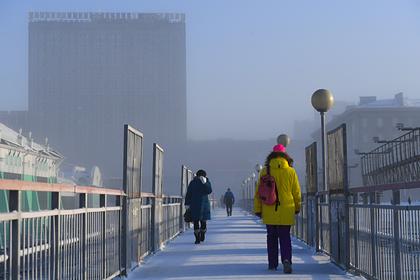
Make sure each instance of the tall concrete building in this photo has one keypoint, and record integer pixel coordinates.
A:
(90, 73)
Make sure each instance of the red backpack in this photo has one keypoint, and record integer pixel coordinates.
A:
(267, 190)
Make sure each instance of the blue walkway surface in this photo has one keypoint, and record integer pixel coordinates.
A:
(235, 248)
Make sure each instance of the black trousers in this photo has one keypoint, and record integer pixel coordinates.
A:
(229, 209)
(200, 225)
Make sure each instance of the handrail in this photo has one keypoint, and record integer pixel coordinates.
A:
(378, 188)
(387, 187)
(17, 185)
(145, 195)
(36, 234)
(172, 196)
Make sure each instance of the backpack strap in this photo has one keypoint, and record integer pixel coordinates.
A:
(277, 198)
(277, 193)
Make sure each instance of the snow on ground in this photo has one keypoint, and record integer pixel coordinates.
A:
(235, 248)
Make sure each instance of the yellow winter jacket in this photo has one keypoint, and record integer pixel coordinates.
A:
(289, 194)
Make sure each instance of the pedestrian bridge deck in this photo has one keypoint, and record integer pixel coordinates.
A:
(235, 248)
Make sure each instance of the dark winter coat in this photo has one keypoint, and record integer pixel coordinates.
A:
(198, 200)
(229, 198)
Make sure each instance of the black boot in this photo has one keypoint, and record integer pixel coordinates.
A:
(203, 234)
(197, 236)
(287, 267)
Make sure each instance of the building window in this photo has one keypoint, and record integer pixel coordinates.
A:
(364, 122)
(394, 121)
(380, 122)
(365, 139)
(411, 122)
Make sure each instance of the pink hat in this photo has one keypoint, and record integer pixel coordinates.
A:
(279, 148)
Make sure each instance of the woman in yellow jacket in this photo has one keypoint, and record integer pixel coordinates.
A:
(279, 219)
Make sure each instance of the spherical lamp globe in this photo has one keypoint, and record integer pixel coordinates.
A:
(322, 100)
(283, 139)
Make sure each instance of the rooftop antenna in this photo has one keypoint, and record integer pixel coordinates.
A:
(47, 146)
(19, 137)
(30, 139)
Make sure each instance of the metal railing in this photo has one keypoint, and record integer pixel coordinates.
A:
(146, 228)
(171, 212)
(60, 244)
(379, 241)
(384, 239)
(247, 204)
(83, 243)
(90, 242)
(395, 161)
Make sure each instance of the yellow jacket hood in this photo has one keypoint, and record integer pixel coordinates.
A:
(279, 162)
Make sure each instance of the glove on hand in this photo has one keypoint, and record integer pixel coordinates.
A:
(203, 179)
(258, 215)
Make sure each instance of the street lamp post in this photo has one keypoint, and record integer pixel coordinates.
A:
(247, 192)
(283, 139)
(258, 168)
(322, 100)
(243, 194)
(253, 185)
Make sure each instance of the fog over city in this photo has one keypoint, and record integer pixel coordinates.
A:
(210, 139)
(247, 70)
(249, 61)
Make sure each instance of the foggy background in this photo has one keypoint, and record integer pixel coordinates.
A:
(253, 65)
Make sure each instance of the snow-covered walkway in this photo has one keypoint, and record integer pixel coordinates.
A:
(235, 248)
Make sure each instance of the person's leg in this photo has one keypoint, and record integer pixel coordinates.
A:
(230, 210)
(285, 243)
(197, 232)
(227, 209)
(272, 247)
(203, 230)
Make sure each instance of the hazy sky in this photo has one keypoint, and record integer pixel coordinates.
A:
(253, 65)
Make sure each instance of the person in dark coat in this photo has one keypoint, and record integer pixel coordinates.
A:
(198, 201)
(229, 200)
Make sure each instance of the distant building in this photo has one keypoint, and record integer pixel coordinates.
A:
(90, 73)
(372, 117)
(23, 159)
(79, 175)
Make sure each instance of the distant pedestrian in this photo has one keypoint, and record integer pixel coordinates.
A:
(222, 201)
(280, 216)
(229, 200)
(198, 201)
